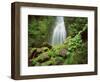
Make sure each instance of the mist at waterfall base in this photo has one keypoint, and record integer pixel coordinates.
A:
(59, 32)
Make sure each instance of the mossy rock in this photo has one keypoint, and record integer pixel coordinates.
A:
(51, 53)
(38, 64)
(46, 44)
(33, 49)
(36, 51)
(39, 50)
(49, 62)
(33, 53)
(63, 53)
(42, 57)
(59, 60)
(54, 61)
(44, 49)
(33, 62)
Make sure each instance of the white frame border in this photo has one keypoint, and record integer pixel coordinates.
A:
(25, 70)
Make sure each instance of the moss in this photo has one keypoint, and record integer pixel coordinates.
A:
(44, 49)
(33, 49)
(33, 62)
(49, 62)
(51, 53)
(59, 60)
(42, 57)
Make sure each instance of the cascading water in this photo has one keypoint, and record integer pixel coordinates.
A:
(59, 32)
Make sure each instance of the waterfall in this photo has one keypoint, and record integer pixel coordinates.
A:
(59, 32)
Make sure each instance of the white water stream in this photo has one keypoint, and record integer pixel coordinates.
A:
(59, 32)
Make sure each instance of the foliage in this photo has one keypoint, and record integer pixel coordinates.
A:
(38, 29)
(77, 51)
(74, 25)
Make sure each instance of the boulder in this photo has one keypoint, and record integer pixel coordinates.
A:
(42, 57)
(63, 52)
(46, 44)
(36, 51)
